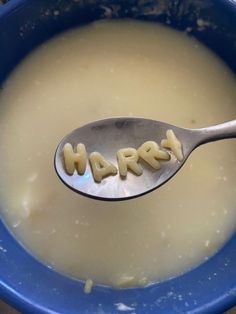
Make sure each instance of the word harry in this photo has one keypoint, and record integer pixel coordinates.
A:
(127, 158)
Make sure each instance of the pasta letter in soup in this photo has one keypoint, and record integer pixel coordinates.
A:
(75, 160)
(101, 167)
(128, 160)
(88, 286)
(151, 153)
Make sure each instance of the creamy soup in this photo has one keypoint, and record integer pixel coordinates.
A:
(117, 69)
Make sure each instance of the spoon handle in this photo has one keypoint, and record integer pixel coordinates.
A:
(217, 132)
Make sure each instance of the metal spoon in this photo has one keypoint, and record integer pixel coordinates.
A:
(109, 135)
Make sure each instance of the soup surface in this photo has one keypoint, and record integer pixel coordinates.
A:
(121, 68)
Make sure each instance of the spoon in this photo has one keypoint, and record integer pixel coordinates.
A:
(109, 135)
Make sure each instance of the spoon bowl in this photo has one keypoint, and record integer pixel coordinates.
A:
(109, 135)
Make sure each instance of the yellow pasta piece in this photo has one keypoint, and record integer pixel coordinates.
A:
(101, 167)
(151, 153)
(75, 160)
(128, 160)
(88, 286)
(173, 144)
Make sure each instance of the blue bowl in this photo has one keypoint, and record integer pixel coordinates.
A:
(32, 287)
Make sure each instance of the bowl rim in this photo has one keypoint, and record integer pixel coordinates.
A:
(17, 262)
